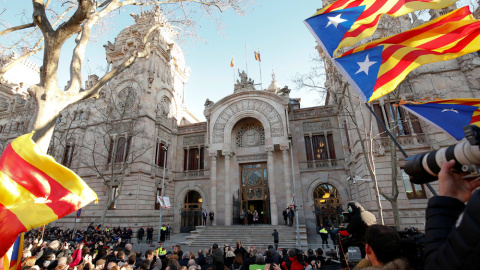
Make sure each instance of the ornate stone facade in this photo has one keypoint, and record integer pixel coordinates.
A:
(254, 141)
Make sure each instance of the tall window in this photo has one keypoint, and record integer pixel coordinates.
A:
(398, 118)
(121, 147)
(319, 148)
(114, 195)
(160, 157)
(347, 135)
(193, 159)
(68, 155)
(157, 204)
(413, 191)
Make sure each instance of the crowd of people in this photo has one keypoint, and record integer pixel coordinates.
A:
(105, 249)
(451, 242)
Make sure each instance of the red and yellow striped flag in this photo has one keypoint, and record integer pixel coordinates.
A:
(232, 63)
(257, 56)
(345, 22)
(376, 68)
(35, 190)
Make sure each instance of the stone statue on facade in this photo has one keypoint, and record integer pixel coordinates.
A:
(244, 84)
(208, 103)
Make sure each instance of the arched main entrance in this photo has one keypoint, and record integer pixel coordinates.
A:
(254, 190)
(191, 212)
(328, 206)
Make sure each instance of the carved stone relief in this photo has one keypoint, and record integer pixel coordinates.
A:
(316, 126)
(250, 135)
(252, 158)
(270, 113)
(196, 140)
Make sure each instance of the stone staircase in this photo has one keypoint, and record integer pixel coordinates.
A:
(255, 235)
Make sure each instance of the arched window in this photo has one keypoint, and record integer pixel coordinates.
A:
(327, 203)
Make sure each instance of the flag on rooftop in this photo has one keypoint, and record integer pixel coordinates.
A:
(12, 260)
(232, 63)
(257, 56)
(450, 115)
(345, 22)
(35, 190)
(376, 68)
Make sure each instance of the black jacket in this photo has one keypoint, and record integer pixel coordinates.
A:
(359, 221)
(450, 244)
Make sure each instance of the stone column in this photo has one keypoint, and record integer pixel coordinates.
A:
(286, 171)
(213, 184)
(271, 186)
(228, 189)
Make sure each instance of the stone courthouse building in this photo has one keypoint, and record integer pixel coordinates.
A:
(256, 150)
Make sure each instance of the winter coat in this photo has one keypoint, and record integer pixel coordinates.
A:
(294, 266)
(359, 221)
(397, 264)
(452, 233)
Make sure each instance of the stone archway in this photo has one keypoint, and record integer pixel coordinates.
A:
(256, 108)
(191, 211)
(327, 204)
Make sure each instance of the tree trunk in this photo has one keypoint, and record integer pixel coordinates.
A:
(49, 106)
(396, 213)
(104, 214)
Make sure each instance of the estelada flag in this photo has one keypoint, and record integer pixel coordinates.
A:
(450, 115)
(12, 260)
(345, 22)
(376, 68)
(35, 190)
(257, 56)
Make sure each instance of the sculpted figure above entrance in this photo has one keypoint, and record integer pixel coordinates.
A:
(270, 113)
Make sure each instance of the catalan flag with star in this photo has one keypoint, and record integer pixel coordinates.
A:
(345, 22)
(376, 68)
(450, 115)
(35, 190)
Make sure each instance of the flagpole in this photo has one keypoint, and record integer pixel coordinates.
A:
(260, 66)
(43, 231)
(396, 143)
(246, 59)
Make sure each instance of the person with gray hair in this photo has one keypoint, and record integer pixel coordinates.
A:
(185, 259)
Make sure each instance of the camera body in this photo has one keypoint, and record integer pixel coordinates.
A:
(424, 168)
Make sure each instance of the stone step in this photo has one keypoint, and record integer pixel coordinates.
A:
(256, 235)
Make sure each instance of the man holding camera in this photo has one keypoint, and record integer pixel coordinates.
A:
(453, 229)
(359, 221)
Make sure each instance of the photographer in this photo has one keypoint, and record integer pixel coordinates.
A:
(355, 231)
(453, 229)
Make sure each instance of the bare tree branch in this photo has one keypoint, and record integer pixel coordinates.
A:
(16, 28)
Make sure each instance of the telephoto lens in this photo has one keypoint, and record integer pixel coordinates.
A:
(424, 168)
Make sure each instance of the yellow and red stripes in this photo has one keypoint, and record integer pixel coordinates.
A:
(35, 190)
(367, 22)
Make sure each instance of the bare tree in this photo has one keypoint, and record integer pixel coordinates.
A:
(77, 19)
(313, 80)
(115, 141)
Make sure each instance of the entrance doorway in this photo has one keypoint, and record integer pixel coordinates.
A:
(254, 192)
(328, 206)
(191, 212)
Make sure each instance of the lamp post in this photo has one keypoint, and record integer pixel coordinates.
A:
(163, 185)
(295, 196)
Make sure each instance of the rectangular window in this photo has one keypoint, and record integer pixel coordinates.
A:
(161, 155)
(413, 191)
(157, 204)
(308, 148)
(114, 195)
(193, 159)
(122, 149)
(347, 135)
(318, 145)
(398, 119)
(68, 155)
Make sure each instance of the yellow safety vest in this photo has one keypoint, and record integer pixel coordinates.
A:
(163, 228)
(323, 230)
(161, 251)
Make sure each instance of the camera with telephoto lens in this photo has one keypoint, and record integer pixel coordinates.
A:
(424, 168)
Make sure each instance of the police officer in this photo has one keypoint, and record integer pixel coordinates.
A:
(160, 251)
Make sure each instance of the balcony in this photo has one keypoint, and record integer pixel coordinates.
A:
(196, 174)
(406, 140)
(324, 164)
